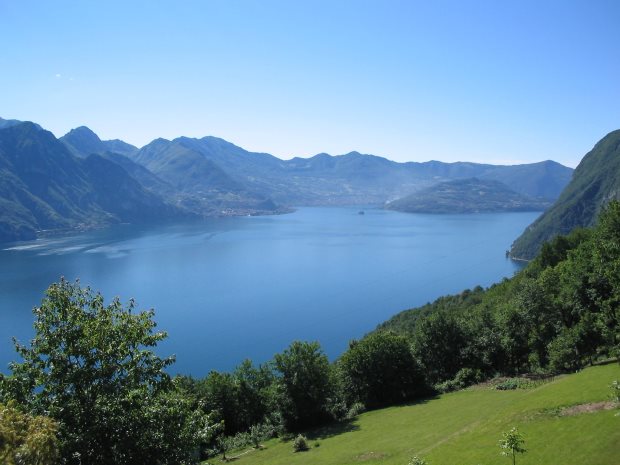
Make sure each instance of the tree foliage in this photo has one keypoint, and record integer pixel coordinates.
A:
(558, 314)
(91, 368)
(511, 444)
(303, 385)
(27, 439)
(380, 370)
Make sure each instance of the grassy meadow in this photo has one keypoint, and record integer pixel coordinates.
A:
(464, 428)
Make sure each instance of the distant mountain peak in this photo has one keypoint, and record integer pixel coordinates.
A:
(82, 132)
(7, 123)
(83, 141)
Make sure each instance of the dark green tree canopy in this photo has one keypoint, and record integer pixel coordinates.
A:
(303, 384)
(380, 370)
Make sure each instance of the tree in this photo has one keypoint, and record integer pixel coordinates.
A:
(91, 368)
(221, 394)
(439, 344)
(255, 393)
(512, 444)
(303, 385)
(26, 439)
(380, 370)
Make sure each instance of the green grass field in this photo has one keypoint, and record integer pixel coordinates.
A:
(464, 428)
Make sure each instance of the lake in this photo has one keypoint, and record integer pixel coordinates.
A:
(226, 289)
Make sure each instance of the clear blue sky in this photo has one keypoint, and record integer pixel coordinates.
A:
(487, 81)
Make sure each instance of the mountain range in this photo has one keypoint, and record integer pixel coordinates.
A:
(44, 187)
(81, 181)
(323, 179)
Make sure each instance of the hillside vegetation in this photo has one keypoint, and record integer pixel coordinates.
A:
(465, 428)
(559, 313)
(595, 182)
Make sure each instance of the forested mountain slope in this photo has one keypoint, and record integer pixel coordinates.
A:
(43, 186)
(595, 182)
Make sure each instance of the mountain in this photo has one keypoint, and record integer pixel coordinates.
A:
(353, 178)
(7, 123)
(146, 178)
(202, 184)
(44, 187)
(594, 183)
(471, 195)
(545, 179)
(82, 142)
(209, 176)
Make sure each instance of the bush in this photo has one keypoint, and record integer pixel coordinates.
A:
(464, 377)
(261, 432)
(508, 385)
(300, 444)
(415, 460)
(355, 410)
(515, 383)
(338, 410)
(468, 376)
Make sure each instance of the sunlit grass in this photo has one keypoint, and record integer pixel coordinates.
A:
(464, 428)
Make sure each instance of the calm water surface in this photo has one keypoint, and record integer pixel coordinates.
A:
(235, 288)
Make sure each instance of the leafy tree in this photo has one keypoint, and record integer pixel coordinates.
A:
(91, 369)
(380, 370)
(439, 344)
(606, 271)
(221, 397)
(303, 385)
(512, 444)
(255, 390)
(483, 351)
(26, 439)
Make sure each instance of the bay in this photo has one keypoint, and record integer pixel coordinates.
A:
(226, 289)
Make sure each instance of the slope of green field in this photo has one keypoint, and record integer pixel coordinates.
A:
(464, 428)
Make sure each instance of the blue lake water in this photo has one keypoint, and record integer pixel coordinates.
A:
(233, 288)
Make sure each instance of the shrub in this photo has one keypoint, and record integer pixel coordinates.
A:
(464, 377)
(508, 385)
(300, 444)
(415, 460)
(261, 432)
(338, 410)
(468, 376)
(355, 410)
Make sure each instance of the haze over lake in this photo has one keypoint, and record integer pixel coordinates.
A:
(232, 288)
